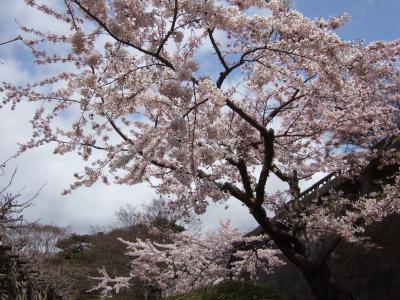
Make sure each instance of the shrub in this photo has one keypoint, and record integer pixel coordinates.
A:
(232, 290)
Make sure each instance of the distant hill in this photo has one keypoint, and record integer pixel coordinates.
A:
(82, 255)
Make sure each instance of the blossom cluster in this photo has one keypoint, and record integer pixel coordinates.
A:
(285, 96)
(187, 261)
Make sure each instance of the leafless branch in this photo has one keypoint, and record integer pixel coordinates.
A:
(18, 38)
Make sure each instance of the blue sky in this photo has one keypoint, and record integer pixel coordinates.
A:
(370, 20)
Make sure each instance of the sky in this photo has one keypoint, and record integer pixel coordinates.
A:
(370, 20)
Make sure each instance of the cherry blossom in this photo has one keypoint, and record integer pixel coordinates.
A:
(286, 96)
(191, 262)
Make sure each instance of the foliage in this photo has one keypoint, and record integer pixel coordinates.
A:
(231, 290)
(82, 255)
(154, 214)
(185, 260)
(289, 98)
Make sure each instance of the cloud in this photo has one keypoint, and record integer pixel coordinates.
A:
(86, 206)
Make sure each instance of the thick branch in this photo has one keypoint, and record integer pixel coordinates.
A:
(268, 142)
(241, 165)
(247, 118)
(282, 176)
(282, 239)
(294, 186)
(235, 192)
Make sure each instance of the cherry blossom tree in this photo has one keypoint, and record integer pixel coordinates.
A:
(288, 98)
(191, 261)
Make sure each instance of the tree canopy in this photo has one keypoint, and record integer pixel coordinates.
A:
(289, 98)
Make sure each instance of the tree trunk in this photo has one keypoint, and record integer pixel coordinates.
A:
(324, 286)
(317, 274)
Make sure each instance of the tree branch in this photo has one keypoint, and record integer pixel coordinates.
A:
(127, 43)
(18, 38)
(263, 131)
(171, 30)
(241, 165)
(277, 110)
(282, 176)
(217, 50)
(268, 142)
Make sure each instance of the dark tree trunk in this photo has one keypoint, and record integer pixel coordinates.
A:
(317, 273)
(324, 286)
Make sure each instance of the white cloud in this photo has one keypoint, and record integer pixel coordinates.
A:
(86, 206)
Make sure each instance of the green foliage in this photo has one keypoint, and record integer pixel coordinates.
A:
(232, 290)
